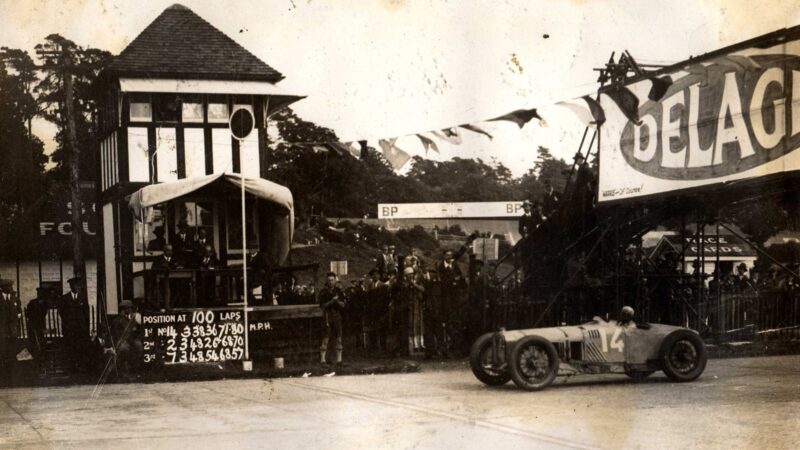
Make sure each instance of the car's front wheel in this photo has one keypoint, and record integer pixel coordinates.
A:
(533, 363)
(683, 356)
(480, 360)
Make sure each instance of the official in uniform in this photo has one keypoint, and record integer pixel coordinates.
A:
(74, 311)
(332, 302)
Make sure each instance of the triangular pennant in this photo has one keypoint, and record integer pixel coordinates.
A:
(345, 149)
(588, 111)
(449, 135)
(396, 157)
(428, 143)
(520, 116)
(626, 101)
(477, 129)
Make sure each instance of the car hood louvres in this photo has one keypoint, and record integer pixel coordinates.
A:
(591, 352)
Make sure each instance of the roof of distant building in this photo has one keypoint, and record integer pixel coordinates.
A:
(181, 44)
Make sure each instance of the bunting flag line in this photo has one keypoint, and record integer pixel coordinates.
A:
(477, 129)
(626, 101)
(396, 157)
(520, 116)
(428, 144)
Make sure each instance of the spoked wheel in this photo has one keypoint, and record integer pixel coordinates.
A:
(683, 355)
(534, 363)
(480, 360)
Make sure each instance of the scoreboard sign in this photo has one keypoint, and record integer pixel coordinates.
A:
(199, 336)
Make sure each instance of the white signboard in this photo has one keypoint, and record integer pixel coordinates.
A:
(339, 268)
(486, 249)
(449, 210)
(730, 117)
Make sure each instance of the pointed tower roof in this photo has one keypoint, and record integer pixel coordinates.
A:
(180, 44)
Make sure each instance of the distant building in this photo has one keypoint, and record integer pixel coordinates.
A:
(730, 250)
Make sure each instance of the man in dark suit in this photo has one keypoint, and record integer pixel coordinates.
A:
(199, 247)
(451, 286)
(182, 245)
(260, 273)
(10, 314)
(74, 311)
(36, 313)
(166, 260)
(208, 287)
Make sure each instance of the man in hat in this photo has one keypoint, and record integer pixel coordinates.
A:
(387, 261)
(10, 315)
(451, 285)
(377, 311)
(531, 219)
(332, 302)
(741, 281)
(36, 314)
(260, 271)
(550, 199)
(126, 329)
(161, 282)
(74, 311)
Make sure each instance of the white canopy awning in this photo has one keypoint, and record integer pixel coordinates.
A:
(277, 194)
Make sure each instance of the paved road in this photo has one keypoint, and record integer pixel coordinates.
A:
(737, 403)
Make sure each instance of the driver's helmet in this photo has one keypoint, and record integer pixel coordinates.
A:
(627, 313)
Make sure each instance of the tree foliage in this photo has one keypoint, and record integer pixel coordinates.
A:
(21, 154)
(58, 57)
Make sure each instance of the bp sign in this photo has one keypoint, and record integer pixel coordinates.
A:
(241, 123)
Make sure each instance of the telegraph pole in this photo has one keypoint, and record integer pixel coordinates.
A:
(66, 67)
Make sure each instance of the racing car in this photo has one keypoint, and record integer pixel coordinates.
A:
(534, 357)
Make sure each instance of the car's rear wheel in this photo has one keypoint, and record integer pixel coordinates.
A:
(480, 360)
(683, 356)
(533, 363)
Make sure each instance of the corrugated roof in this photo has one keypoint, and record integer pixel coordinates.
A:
(181, 44)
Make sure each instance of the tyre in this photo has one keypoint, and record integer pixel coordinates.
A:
(533, 363)
(639, 375)
(480, 362)
(683, 356)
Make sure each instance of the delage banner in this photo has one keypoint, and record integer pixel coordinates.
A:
(729, 117)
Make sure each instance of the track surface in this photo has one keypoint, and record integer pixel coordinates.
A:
(737, 403)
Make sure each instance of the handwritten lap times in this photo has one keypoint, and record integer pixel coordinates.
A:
(203, 336)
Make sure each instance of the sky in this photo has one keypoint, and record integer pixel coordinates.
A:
(382, 69)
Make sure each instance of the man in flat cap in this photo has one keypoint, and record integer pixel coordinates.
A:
(74, 311)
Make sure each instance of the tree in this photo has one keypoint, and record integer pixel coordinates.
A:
(65, 92)
(21, 154)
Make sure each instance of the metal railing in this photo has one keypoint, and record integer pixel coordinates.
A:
(52, 324)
